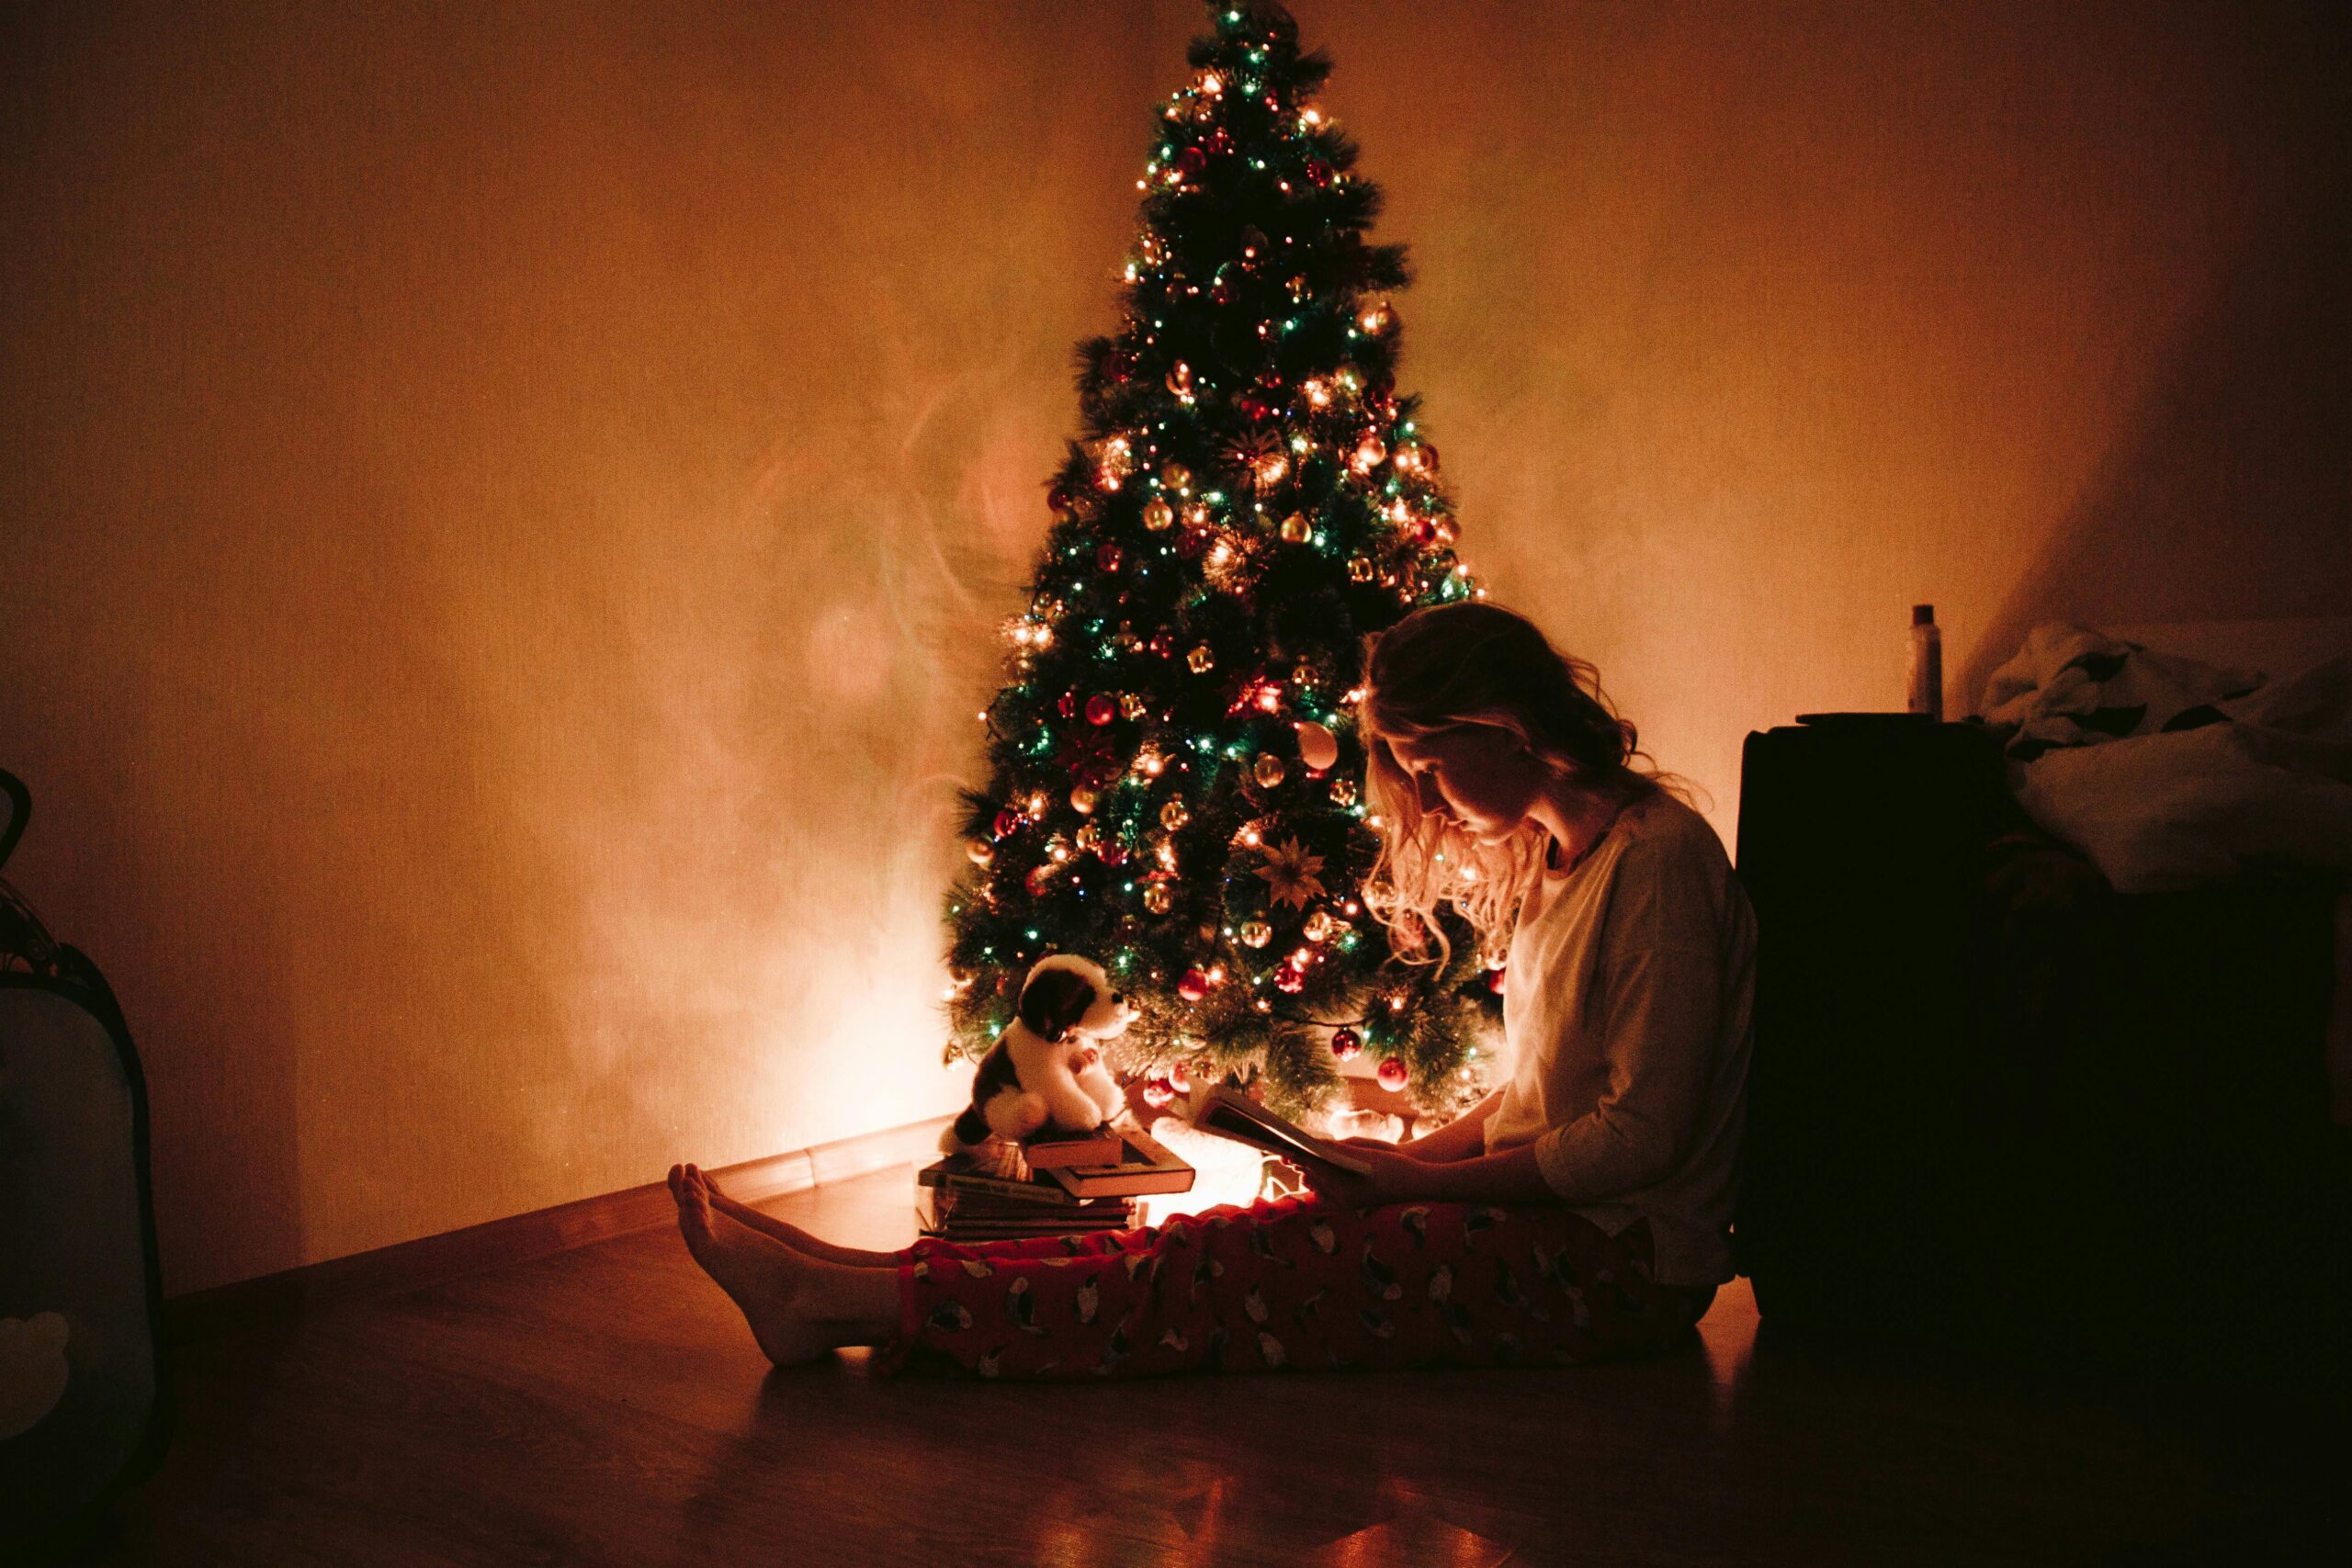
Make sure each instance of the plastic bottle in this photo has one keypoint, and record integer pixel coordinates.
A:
(1927, 663)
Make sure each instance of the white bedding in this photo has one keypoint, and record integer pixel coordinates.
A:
(2169, 773)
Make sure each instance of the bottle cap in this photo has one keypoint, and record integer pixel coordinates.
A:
(1923, 614)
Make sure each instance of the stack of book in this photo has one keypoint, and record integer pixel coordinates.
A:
(1068, 1187)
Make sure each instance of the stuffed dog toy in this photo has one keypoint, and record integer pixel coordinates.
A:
(1046, 1070)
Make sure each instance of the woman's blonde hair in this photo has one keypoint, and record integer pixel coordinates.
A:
(1476, 664)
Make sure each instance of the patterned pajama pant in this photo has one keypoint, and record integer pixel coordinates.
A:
(1290, 1282)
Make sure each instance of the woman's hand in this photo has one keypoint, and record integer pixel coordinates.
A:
(1392, 1178)
(1377, 1145)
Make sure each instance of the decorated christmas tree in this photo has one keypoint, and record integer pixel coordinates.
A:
(1175, 777)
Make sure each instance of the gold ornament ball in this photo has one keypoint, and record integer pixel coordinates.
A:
(1303, 673)
(980, 849)
(1268, 770)
(1343, 791)
(1089, 837)
(1317, 747)
(1174, 815)
(1296, 530)
(1130, 705)
(1257, 933)
(1157, 899)
(1176, 476)
(1158, 515)
(1370, 451)
(1360, 568)
(1082, 799)
(1318, 927)
(1201, 661)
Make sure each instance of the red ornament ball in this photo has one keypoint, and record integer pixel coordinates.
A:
(1345, 1045)
(1394, 1074)
(1194, 986)
(1108, 557)
(1008, 822)
(1040, 878)
(1319, 171)
(1102, 709)
(1189, 162)
(1112, 853)
(1057, 500)
(1067, 705)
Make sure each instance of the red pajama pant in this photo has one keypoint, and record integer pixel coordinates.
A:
(1290, 1282)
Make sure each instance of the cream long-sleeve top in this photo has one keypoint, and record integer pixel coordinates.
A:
(1628, 1003)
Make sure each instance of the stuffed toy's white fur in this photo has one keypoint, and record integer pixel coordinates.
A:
(1046, 1070)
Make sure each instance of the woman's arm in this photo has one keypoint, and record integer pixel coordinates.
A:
(1509, 1177)
(1464, 1137)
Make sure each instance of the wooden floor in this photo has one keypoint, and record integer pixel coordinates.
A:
(607, 1407)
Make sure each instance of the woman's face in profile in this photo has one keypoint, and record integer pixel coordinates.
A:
(1476, 776)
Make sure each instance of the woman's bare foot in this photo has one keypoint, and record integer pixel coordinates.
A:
(792, 1235)
(780, 1293)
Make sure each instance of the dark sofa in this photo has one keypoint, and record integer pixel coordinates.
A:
(1997, 1108)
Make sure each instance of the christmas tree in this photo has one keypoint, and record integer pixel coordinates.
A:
(1175, 774)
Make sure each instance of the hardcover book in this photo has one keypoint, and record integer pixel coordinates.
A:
(1148, 1166)
(958, 1173)
(1101, 1147)
(1232, 1114)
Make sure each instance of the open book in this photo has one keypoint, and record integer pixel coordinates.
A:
(1232, 1114)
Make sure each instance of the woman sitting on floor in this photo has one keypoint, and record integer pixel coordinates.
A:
(1582, 1211)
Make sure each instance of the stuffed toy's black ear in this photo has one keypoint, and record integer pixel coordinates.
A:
(1054, 1000)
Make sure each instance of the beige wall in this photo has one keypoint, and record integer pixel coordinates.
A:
(505, 514)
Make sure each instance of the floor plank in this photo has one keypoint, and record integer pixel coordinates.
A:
(606, 1406)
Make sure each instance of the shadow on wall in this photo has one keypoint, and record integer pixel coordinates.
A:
(2231, 497)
